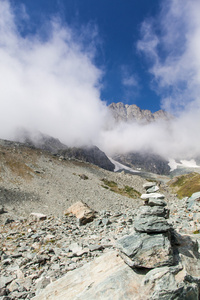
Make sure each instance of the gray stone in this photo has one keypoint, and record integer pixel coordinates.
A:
(145, 250)
(6, 261)
(95, 247)
(159, 211)
(106, 221)
(153, 189)
(4, 292)
(2, 210)
(148, 185)
(170, 283)
(75, 248)
(38, 216)
(152, 224)
(152, 195)
(5, 280)
(107, 277)
(8, 221)
(41, 283)
(20, 285)
(156, 202)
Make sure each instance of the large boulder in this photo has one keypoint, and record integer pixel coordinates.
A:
(146, 250)
(170, 283)
(107, 277)
(82, 211)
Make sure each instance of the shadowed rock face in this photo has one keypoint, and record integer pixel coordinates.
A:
(145, 161)
(89, 154)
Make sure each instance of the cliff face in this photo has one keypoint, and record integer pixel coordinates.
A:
(128, 113)
(89, 154)
(146, 162)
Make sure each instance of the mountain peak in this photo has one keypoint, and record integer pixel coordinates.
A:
(129, 113)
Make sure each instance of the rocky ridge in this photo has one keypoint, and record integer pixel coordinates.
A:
(129, 113)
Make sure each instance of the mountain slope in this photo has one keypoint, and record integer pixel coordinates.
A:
(145, 162)
(35, 180)
(91, 154)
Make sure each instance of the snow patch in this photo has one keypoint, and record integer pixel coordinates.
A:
(119, 166)
(183, 164)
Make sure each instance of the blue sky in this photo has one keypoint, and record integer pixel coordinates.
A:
(117, 24)
(62, 62)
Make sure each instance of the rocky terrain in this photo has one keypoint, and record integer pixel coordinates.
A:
(44, 240)
(129, 113)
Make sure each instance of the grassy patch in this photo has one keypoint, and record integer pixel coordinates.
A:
(185, 185)
(111, 184)
(125, 191)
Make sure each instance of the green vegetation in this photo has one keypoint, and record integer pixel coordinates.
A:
(125, 191)
(185, 185)
(111, 184)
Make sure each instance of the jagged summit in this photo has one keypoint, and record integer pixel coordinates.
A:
(128, 113)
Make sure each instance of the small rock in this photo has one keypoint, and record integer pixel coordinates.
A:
(153, 189)
(8, 221)
(148, 185)
(5, 280)
(2, 210)
(38, 216)
(106, 221)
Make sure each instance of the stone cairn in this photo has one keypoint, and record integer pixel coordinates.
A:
(150, 245)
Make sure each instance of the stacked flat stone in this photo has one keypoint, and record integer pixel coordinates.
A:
(150, 246)
(152, 218)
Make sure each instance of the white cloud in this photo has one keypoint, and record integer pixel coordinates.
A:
(50, 84)
(172, 44)
(130, 81)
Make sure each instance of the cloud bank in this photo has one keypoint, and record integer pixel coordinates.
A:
(50, 83)
(171, 44)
